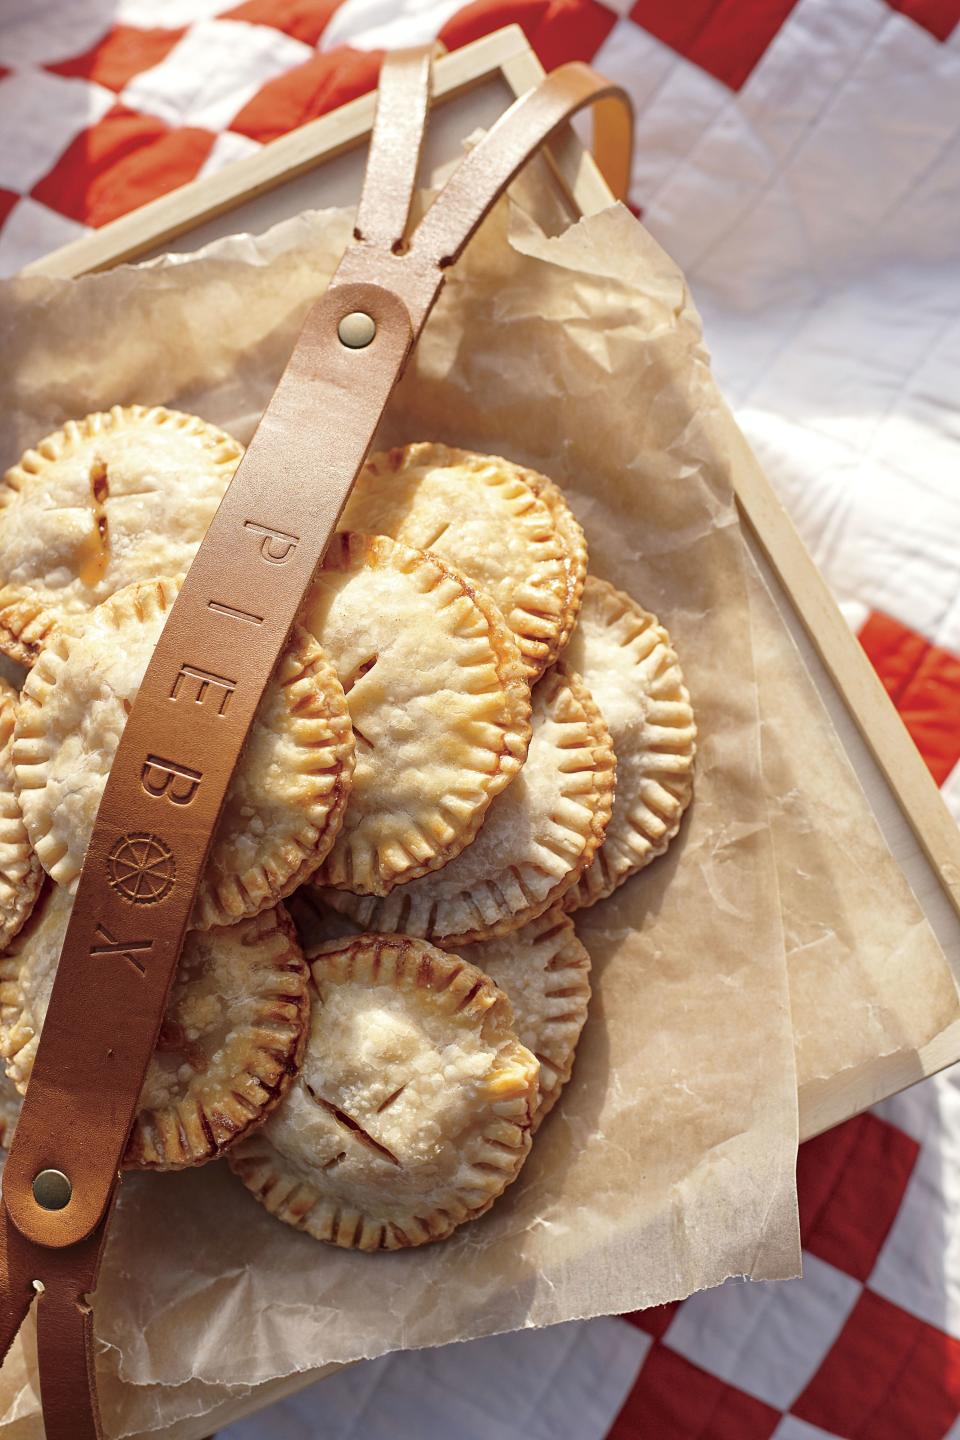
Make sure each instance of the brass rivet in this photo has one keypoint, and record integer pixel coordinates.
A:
(357, 329)
(52, 1190)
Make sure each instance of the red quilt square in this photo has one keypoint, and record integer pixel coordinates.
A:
(726, 38)
(923, 681)
(656, 1320)
(305, 20)
(121, 162)
(8, 198)
(122, 53)
(559, 30)
(850, 1182)
(889, 1376)
(309, 90)
(940, 17)
(674, 1400)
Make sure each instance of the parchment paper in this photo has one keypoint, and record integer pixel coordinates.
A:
(867, 976)
(669, 1165)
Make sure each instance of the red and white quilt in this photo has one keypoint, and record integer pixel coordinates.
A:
(801, 160)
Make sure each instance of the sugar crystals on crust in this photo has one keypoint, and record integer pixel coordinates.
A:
(412, 1110)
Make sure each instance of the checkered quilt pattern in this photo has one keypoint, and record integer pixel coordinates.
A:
(801, 160)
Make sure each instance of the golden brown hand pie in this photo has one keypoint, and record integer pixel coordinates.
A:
(412, 1110)
(629, 664)
(439, 703)
(285, 802)
(538, 837)
(120, 496)
(231, 1038)
(479, 513)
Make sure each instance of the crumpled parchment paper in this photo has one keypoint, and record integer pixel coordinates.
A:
(669, 1164)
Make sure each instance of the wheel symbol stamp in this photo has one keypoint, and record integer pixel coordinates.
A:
(142, 868)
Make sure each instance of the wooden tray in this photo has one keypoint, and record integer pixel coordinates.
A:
(320, 165)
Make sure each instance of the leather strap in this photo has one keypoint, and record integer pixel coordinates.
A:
(198, 697)
(399, 127)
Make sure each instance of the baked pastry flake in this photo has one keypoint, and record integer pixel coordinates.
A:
(544, 971)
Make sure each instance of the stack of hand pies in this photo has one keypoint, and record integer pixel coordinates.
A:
(467, 739)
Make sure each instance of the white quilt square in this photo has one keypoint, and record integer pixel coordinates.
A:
(211, 73)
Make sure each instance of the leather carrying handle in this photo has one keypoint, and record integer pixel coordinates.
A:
(202, 688)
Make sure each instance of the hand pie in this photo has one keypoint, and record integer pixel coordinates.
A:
(21, 874)
(121, 496)
(412, 1110)
(286, 799)
(538, 837)
(544, 972)
(625, 656)
(480, 514)
(231, 1038)
(438, 699)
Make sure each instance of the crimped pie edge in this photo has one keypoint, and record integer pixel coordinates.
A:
(21, 874)
(645, 831)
